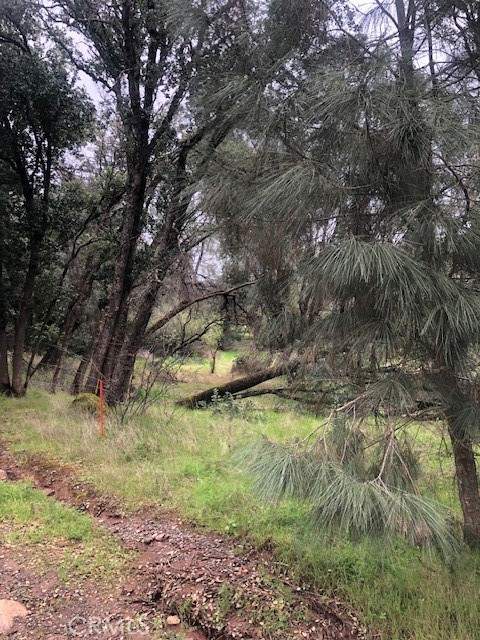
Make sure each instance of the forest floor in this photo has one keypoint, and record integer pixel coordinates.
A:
(171, 581)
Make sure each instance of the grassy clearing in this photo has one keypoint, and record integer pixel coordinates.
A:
(183, 460)
(81, 549)
(195, 373)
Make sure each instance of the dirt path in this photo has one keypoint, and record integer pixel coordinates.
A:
(224, 594)
(76, 609)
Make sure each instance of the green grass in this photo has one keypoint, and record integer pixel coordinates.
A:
(197, 367)
(81, 548)
(184, 460)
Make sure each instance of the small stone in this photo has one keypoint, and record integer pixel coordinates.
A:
(162, 537)
(48, 492)
(173, 620)
(9, 610)
(3, 475)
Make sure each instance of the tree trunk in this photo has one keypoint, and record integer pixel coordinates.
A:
(72, 316)
(69, 330)
(235, 386)
(467, 481)
(121, 361)
(166, 249)
(463, 454)
(213, 356)
(23, 318)
(48, 359)
(4, 374)
(86, 358)
(112, 329)
(127, 351)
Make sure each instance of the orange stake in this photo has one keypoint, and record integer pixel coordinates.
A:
(102, 428)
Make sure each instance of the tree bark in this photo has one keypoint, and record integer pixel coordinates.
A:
(282, 392)
(71, 320)
(48, 359)
(113, 325)
(4, 373)
(5, 387)
(166, 250)
(69, 330)
(24, 316)
(454, 399)
(235, 386)
(136, 116)
(467, 481)
(85, 360)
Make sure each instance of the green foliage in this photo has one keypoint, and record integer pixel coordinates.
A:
(345, 177)
(363, 193)
(227, 405)
(43, 114)
(292, 23)
(342, 493)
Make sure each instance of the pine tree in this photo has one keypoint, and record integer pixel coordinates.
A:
(386, 152)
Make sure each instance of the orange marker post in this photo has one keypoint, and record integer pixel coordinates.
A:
(102, 427)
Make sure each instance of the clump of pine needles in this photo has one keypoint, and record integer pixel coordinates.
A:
(348, 492)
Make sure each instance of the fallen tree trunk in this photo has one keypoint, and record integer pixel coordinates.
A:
(235, 386)
(254, 393)
(283, 392)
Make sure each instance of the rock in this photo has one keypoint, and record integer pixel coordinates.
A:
(48, 492)
(161, 537)
(3, 475)
(9, 610)
(173, 620)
